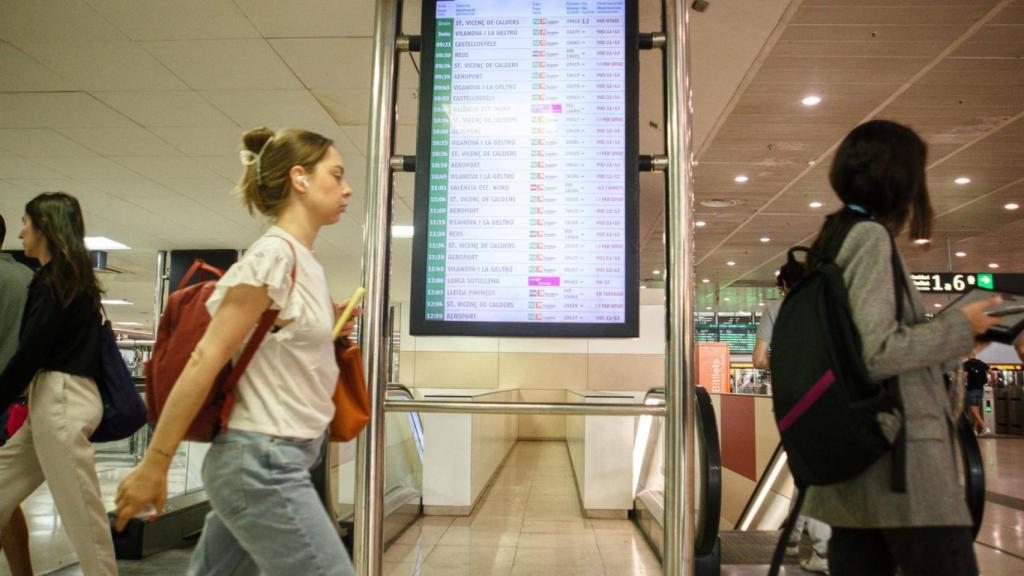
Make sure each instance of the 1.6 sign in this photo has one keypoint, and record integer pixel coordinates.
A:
(950, 282)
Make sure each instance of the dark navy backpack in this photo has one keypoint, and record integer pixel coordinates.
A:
(123, 409)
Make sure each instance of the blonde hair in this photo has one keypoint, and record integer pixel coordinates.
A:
(268, 160)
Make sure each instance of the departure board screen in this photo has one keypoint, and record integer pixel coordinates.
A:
(527, 167)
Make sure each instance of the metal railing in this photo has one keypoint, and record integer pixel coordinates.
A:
(539, 408)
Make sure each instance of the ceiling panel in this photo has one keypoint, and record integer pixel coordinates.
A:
(19, 72)
(176, 19)
(274, 108)
(35, 143)
(103, 65)
(57, 110)
(166, 108)
(328, 63)
(111, 142)
(310, 18)
(54, 21)
(225, 64)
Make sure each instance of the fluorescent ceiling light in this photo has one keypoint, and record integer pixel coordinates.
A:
(103, 243)
(117, 302)
(700, 224)
(993, 265)
(1012, 206)
(922, 241)
(725, 299)
(811, 100)
(937, 305)
(765, 239)
(962, 180)
(128, 324)
(730, 263)
(642, 287)
(398, 231)
(741, 179)
(706, 280)
(815, 204)
(656, 271)
(961, 254)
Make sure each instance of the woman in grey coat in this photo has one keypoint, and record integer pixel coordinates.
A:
(879, 174)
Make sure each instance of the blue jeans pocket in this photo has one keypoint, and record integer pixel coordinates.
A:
(224, 478)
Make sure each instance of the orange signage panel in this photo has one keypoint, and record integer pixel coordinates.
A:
(713, 366)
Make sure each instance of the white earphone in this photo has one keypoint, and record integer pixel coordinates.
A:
(304, 180)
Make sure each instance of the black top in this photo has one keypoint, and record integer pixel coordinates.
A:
(52, 338)
(977, 374)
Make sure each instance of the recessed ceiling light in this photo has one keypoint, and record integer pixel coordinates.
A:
(700, 223)
(815, 204)
(730, 263)
(922, 241)
(811, 100)
(1012, 206)
(765, 239)
(993, 265)
(117, 302)
(103, 243)
(706, 280)
(937, 305)
(741, 179)
(655, 271)
(960, 254)
(718, 203)
(962, 180)
(398, 231)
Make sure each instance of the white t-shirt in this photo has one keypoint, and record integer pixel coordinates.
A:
(288, 386)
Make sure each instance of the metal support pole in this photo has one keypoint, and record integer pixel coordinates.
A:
(679, 388)
(158, 293)
(369, 506)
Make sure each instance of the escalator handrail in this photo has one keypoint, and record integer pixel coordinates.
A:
(711, 474)
(656, 391)
(779, 451)
(402, 387)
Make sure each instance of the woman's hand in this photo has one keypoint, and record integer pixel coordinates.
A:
(349, 326)
(144, 486)
(975, 313)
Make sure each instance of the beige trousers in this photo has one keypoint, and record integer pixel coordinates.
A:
(53, 445)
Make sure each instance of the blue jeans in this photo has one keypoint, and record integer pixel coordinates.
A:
(267, 518)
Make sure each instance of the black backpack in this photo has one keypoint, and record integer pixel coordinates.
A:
(825, 404)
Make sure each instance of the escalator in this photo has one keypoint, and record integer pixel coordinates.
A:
(403, 476)
(649, 504)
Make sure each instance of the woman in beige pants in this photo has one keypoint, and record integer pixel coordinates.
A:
(58, 360)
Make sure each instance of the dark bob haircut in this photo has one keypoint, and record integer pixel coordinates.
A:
(880, 165)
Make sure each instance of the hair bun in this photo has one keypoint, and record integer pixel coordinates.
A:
(254, 139)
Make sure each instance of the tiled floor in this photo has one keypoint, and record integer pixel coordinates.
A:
(529, 522)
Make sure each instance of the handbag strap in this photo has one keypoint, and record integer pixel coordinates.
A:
(266, 323)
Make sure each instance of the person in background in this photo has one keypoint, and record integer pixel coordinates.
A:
(788, 276)
(14, 280)
(267, 516)
(58, 361)
(978, 376)
(879, 175)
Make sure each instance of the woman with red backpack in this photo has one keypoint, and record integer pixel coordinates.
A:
(58, 361)
(267, 516)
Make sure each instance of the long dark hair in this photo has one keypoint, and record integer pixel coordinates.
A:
(880, 166)
(59, 217)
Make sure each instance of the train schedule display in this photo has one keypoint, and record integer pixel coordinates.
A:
(526, 183)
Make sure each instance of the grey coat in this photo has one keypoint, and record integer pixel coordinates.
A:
(919, 352)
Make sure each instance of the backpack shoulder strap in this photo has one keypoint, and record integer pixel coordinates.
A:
(262, 328)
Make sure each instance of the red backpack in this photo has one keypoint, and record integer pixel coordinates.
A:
(182, 326)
